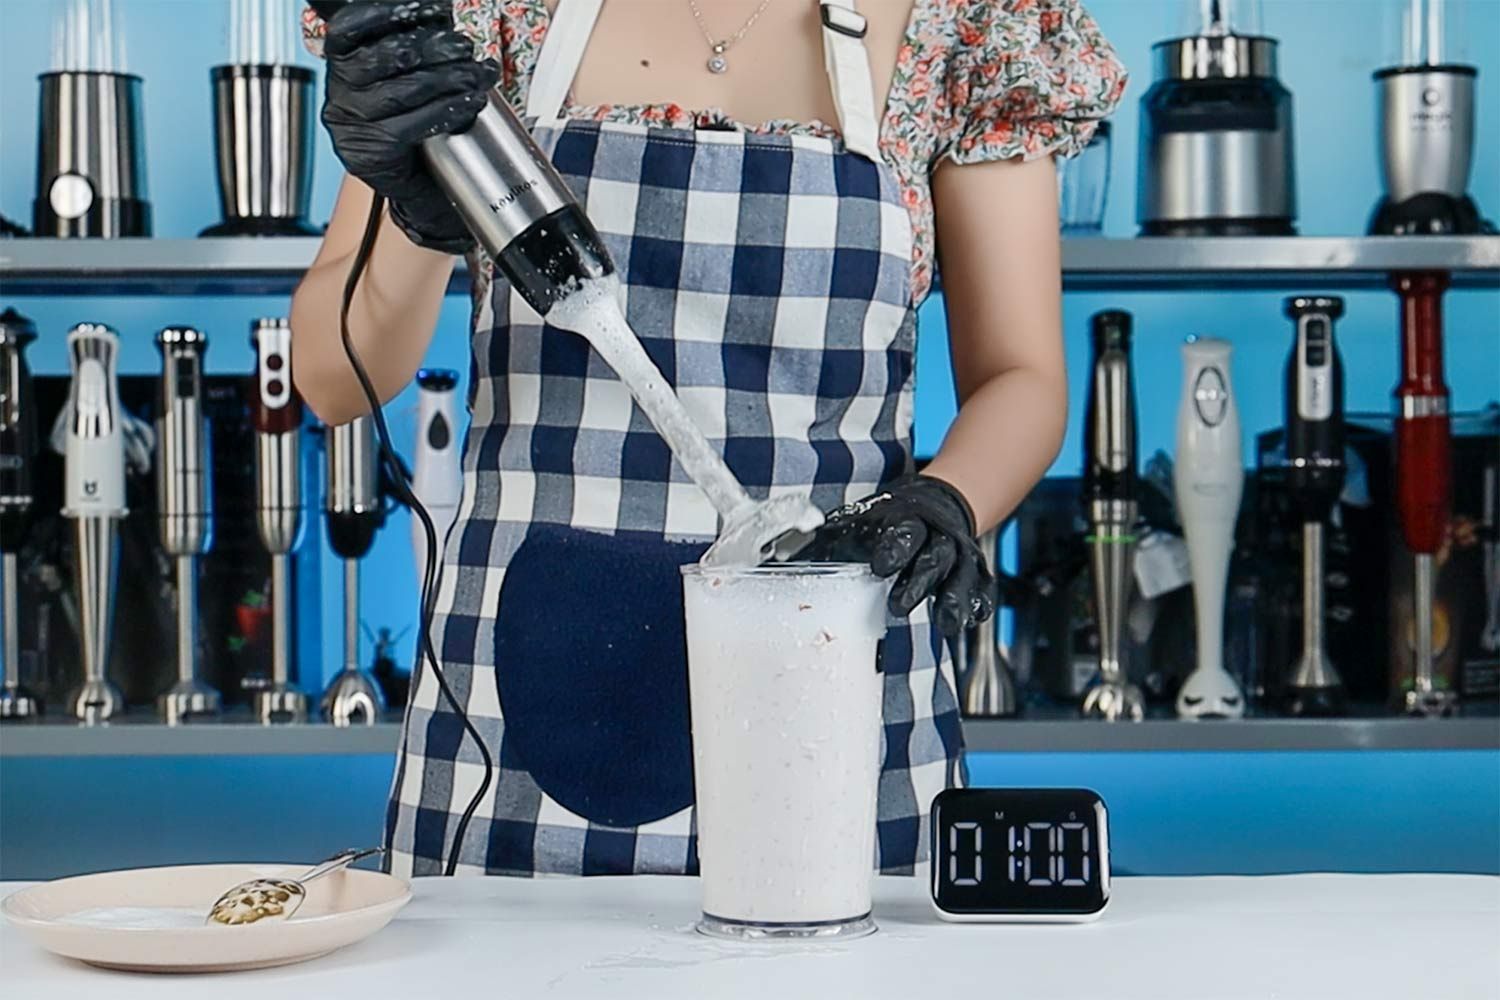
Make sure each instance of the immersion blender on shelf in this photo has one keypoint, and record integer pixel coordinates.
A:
(1109, 485)
(1315, 477)
(1208, 479)
(1424, 471)
(18, 449)
(276, 411)
(94, 500)
(354, 514)
(437, 478)
(989, 691)
(184, 498)
(1489, 636)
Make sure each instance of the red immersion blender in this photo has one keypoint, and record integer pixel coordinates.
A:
(1423, 468)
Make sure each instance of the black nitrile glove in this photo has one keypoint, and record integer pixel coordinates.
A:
(921, 531)
(398, 74)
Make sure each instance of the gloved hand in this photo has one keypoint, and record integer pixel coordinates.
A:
(921, 531)
(398, 74)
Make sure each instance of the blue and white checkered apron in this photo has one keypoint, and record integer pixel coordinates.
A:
(769, 278)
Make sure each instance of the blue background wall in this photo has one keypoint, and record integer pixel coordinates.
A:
(1329, 48)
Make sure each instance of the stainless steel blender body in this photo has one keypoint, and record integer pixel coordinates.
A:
(1216, 147)
(91, 157)
(1426, 116)
(96, 564)
(989, 691)
(185, 507)
(263, 137)
(354, 514)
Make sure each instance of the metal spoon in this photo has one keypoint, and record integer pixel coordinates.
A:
(276, 898)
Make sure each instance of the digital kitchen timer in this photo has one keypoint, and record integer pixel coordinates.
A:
(1020, 854)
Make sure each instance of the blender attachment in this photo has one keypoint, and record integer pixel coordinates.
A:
(91, 154)
(1083, 186)
(436, 477)
(94, 492)
(1489, 636)
(353, 508)
(263, 126)
(1208, 479)
(185, 507)
(18, 444)
(276, 412)
(1315, 476)
(785, 694)
(1425, 116)
(1216, 156)
(1109, 492)
(989, 690)
(1424, 470)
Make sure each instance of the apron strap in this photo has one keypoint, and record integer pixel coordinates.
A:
(562, 52)
(843, 52)
(848, 64)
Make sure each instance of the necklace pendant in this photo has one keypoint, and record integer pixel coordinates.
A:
(717, 63)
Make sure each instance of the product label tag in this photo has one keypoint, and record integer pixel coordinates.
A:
(1161, 564)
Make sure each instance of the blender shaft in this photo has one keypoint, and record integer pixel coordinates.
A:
(351, 614)
(1110, 553)
(187, 618)
(97, 541)
(10, 669)
(281, 621)
(1312, 591)
(1422, 594)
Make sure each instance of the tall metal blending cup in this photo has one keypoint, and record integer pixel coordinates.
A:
(91, 156)
(263, 132)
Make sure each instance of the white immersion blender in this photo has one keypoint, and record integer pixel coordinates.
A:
(1208, 479)
(94, 500)
(437, 478)
(276, 412)
(18, 449)
(184, 500)
(1109, 485)
(352, 506)
(1315, 476)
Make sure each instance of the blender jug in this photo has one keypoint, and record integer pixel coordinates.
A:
(786, 696)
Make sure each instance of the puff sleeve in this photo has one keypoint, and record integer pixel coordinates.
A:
(1027, 78)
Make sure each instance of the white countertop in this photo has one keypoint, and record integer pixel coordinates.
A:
(1292, 937)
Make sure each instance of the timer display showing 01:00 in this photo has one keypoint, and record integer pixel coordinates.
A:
(1037, 854)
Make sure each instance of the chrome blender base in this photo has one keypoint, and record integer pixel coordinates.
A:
(1317, 702)
(186, 699)
(17, 703)
(750, 930)
(96, 701)
(1431, 704)
(1113, 702)
(353, 698)
(279, 704)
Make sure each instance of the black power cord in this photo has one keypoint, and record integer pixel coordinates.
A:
(400, 481)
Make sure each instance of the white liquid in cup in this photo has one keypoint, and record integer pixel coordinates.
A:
(786, 713)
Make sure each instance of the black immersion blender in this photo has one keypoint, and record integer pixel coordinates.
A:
(1109, 484)
(276, 411)
(352, 505)
(18, 442)
(1315, 476)
(184, 506)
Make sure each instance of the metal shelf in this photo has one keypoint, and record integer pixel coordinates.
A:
(1048, 731)
(224, 266)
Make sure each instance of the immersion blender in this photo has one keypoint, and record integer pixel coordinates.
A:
(185, 507)
(354, 514)
(94, 500)
(1109, 483)
(1208, 480)
(1315, 476)
(989, 691)
(436, 476)
(18, 443)
(1424, 469)
(276, 411)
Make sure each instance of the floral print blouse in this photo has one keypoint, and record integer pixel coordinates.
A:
(975, 80)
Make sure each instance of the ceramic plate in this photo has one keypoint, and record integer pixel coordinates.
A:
(79, 917)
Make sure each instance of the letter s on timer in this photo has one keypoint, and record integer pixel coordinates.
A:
(1020, 855)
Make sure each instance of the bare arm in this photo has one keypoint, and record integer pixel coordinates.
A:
(1002, 283)
(393, 316)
